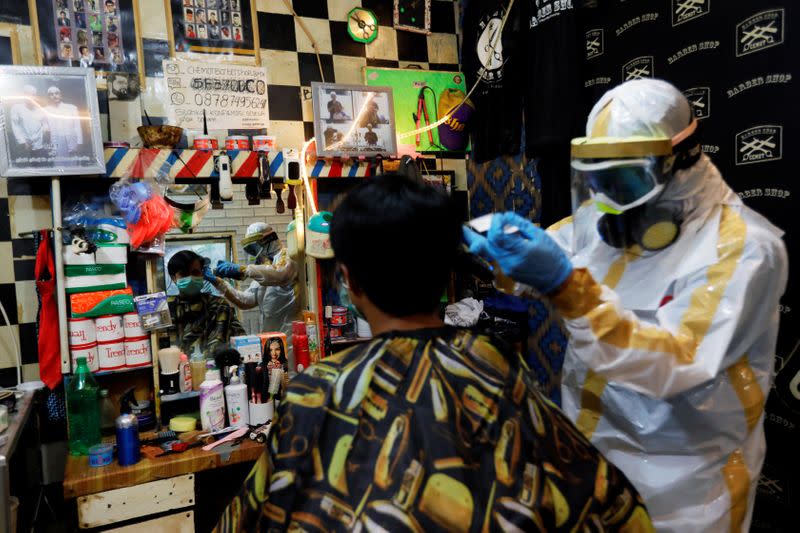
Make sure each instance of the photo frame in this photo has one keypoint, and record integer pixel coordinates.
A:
(411, 15)
(353, 120)
(443, 180)
(99, 34)
(9, 45)
(49, 122)
(214, 29)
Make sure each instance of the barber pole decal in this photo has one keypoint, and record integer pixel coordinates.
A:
(152, 163)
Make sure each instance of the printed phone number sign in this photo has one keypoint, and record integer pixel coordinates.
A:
(233, 96)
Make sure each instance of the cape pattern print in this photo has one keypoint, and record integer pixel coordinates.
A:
(434, 430)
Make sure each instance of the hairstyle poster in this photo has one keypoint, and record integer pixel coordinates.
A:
(214, 27)
(99, 34)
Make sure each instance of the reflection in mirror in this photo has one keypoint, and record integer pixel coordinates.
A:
(253, 281)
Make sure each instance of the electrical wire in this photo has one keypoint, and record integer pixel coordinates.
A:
(497, 36)
(305, 29)
(304, 173)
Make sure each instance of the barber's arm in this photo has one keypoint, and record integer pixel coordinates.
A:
(280, 272)
(719, 310)
(242, 299)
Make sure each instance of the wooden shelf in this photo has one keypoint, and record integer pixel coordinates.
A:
(121, 370)
(179, 396)
(101, 373)
(80, 479)
(354, 340)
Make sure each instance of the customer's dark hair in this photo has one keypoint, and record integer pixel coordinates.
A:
(398, 239)
(181, 262)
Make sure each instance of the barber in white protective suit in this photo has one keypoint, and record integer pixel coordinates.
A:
(273, 275)
(669, 287)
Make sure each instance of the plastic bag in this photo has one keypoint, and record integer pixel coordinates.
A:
(146, 212)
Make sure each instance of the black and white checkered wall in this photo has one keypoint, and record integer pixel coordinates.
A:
(24, 206)
(291, 64)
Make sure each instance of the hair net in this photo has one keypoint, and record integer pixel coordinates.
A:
(647, 108)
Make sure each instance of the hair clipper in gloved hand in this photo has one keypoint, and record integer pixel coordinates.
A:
(226, 269)
(528, 255)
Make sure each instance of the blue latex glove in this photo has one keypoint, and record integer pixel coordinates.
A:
(208, 275)
(226, 269)
(528, 256)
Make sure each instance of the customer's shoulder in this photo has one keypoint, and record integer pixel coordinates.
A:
(327, 371)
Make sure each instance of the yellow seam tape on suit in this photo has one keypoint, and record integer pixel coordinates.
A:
(591, 404)
(580, 296)
(560, 224)
(738, 480)
(743, 380)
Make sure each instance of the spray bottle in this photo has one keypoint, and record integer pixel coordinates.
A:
(236, 397)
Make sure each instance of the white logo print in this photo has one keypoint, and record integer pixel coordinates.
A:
(686, 10)
(759, 144)
(594, 43)
(700, 99)
(636, 69)
(490, 49)
(759, 32)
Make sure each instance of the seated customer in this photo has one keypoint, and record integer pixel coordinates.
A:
(198, 316)
(426, 427)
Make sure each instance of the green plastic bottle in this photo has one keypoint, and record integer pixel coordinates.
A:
(83, 410)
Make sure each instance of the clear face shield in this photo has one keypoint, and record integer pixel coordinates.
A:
(262, 249)
(191, 203)
(617, 188)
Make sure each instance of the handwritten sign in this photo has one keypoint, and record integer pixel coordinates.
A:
(233, 96)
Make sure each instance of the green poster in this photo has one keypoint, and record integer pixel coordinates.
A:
(416, 92)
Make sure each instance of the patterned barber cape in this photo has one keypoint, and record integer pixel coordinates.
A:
(431, 430)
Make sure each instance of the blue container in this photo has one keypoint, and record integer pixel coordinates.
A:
(101, 454)
(128, 452)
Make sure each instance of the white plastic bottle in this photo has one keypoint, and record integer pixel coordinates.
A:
(185, 374)
(236, 398)
(212, 402)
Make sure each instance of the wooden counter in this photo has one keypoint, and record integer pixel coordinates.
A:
(80, 479)
(16, 423)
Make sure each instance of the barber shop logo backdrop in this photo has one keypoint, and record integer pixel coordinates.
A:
(594, 43)
(639, 68)
(700, 100)
(760, 144)
(686, 10)
(734, 63)
(759, 32)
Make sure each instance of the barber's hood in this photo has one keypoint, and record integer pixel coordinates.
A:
(640, 108)
(271, 249)
(698, 189)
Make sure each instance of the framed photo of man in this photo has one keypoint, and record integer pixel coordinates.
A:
(49, 122)
(353, 120)
(214, 29)
(101, 34)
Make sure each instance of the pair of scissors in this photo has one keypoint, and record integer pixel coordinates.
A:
(366, 29)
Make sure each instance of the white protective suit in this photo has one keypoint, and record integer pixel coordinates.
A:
(272, 290)
(671, 353)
